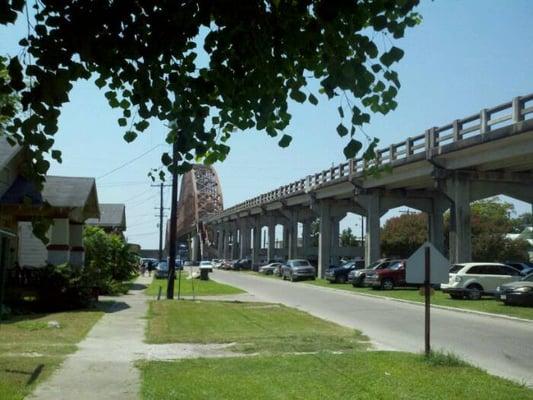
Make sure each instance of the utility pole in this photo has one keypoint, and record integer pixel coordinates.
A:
(173, 222)
(161, 210)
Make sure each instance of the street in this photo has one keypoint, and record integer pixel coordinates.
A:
(501, 346)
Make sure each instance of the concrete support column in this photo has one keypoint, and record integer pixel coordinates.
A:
(256, 246)
(220, 242)
(77, 251)
(324, 239)
(271, 240)
(59, 245)
(244, 245)
(233, 244)
(463, 237)
(292, 233)
(306, 238)
(225, 245)
(335, 230)
(436, 223)
(371, 203)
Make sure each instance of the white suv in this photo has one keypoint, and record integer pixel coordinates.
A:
(472, 280)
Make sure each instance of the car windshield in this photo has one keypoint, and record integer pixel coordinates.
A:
(205, 263)
(456, 268)
(299, 263)
(396, 266)
(528, 278)
(162, 265)
(348, 265)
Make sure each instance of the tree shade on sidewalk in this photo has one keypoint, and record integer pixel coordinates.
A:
(103, 367)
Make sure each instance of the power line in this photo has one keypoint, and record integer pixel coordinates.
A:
(130, 161)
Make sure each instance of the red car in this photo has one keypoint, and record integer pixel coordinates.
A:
(387, 278)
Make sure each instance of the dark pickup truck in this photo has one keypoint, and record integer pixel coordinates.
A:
(339, 274)
(387, 278)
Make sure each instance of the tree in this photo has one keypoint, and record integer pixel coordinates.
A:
(490, 222)
(402, 235)
(348, 239)
(8, 101)
(207, 68)
(522, 222)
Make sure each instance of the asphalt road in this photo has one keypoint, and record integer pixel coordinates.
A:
(501, 346)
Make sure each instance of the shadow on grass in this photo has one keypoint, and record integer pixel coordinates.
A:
(32, 375)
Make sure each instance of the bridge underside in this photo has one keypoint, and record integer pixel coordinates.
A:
(438, 178)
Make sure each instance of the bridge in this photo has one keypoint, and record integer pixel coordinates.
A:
(445, 168)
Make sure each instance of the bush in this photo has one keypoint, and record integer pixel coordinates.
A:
(63, 287)
(108, 261)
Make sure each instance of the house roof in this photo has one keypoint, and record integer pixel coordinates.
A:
(58, 191)
(112, 215)
(7, 152)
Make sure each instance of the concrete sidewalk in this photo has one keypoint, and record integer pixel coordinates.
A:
(103, 367)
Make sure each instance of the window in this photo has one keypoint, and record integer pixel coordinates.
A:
(456, 268)
(477, 270)
(509, 271)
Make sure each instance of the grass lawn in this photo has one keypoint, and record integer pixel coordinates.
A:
(254, 327)
(201, 288)
(486, 304)
(30, 350)
(355, 375)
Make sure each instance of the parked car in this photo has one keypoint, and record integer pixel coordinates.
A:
(244, 263)
(270, 269)
(357, 277)
(525, 268)
(340, 274)
(297, 269)
(161, 271)
(517, 293)
(387, 278)
(207, 265)
(473, 280)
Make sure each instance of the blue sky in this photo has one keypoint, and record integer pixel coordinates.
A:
(465, 56)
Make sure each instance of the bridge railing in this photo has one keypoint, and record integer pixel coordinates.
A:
(517, 110)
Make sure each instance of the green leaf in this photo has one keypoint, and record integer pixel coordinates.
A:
(285, 141)
(298, 95)
(122, 121)
(342, 130)
(130, 136)
(166, 159)
(100, 82)
(312, 99)
(56, 155)
(352, 148)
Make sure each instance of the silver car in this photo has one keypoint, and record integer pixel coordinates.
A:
(298, 269)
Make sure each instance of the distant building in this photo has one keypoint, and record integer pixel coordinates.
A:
(112, 218)
(527, 235)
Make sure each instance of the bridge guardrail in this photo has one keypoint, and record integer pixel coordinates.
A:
(511, 112)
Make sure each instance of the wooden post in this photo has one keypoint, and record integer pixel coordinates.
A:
(427, 297)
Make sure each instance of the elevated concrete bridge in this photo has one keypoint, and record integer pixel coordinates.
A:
(445, 168)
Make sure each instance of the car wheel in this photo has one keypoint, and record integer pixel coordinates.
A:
(387, 284)
(456, 296)
(341, 279)
(475, 292)
(292, 278)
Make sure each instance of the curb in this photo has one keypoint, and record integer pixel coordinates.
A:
(447, 308)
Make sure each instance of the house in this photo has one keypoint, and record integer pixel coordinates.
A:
(112, 218)
(67, 202)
